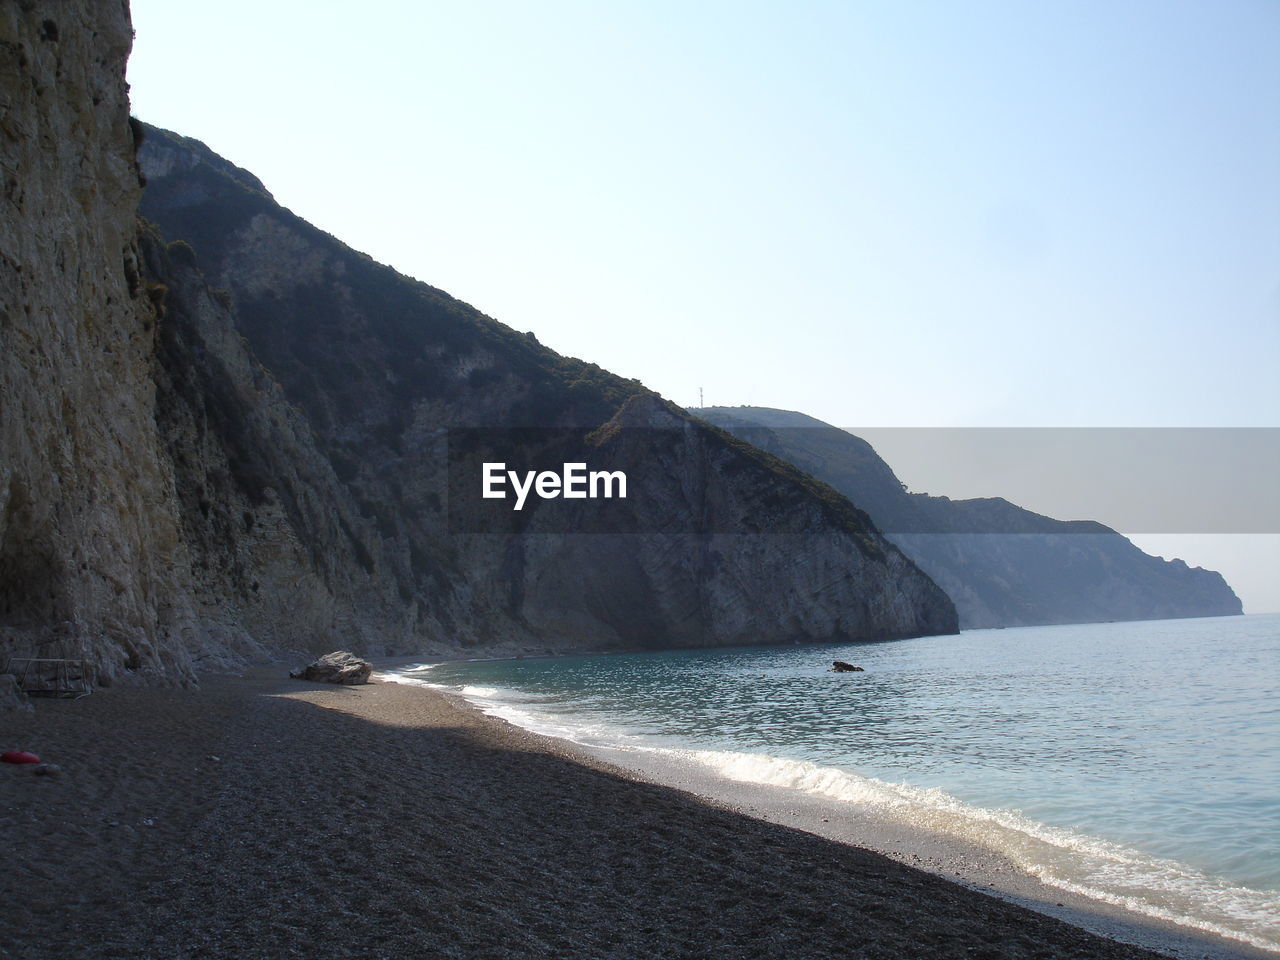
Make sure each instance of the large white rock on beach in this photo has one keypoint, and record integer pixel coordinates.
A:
(336, 667)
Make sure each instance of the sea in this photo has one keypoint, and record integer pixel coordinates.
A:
(1137, 763)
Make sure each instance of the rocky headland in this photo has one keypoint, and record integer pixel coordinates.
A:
(1002, 565)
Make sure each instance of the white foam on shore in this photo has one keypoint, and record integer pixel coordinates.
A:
(1088, 866)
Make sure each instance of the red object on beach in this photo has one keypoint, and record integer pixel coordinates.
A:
(19, 756)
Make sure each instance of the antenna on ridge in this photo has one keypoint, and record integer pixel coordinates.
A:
(700, 403)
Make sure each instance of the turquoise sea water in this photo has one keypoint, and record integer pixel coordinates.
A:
(1134, 762)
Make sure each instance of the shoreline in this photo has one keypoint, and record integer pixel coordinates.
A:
(952, 858)
(516, 651)
(259, 816)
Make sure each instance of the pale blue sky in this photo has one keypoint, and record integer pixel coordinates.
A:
(879, 213)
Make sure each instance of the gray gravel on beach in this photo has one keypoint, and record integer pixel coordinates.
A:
(260, 817)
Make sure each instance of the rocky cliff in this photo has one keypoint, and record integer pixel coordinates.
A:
(324, 471)
(91, 558)
(1001, 565)
(230, 436)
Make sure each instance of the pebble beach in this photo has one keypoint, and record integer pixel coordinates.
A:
(258, 816)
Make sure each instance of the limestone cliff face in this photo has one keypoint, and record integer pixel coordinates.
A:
(1001, 565)
(324, 472)
(91, 561)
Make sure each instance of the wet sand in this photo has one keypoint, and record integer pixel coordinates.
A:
(264, 817)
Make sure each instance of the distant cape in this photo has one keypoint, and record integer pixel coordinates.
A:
(1001, 565)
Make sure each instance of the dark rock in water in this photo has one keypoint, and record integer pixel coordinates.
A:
(336, 667)
(839, 666)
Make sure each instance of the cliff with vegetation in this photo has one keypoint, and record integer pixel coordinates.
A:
(717, 543)
(1001, 565)
(225, 435)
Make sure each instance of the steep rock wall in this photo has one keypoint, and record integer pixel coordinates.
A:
(91, 561)
(280, 557)
(726, 544)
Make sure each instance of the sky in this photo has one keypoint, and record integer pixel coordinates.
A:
(882, 214)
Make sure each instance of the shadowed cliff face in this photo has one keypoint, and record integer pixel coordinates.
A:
(309, 397)
(91, 562)
(1001, 565)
